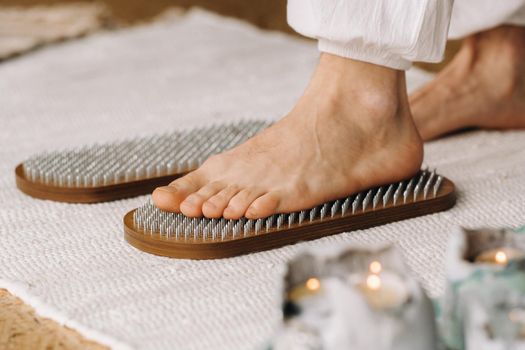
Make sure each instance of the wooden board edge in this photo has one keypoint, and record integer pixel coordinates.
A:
(231, 248)
(89, 194)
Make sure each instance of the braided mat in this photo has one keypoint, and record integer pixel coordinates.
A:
(21, 328)
(71, 262)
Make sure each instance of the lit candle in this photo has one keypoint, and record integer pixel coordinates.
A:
(356, 303)
(313, 284)
(482, 287)
(310, 287)
(375, 267)
(500, 256)
(383, 289)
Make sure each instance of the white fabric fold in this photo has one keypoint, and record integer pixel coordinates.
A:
(472, 16)
(396, 33)
(385, 32)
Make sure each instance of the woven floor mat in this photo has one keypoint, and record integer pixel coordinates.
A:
(71, 260)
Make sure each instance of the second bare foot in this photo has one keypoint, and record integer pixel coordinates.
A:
(483, 87)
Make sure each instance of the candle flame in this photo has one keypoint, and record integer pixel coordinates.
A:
(501, 257)
(313, 284)
(375, 267)
(373, 282)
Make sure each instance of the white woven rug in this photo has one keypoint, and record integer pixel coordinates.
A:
(71, 261)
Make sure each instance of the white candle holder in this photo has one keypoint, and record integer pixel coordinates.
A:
(354, 299)
(484, 303)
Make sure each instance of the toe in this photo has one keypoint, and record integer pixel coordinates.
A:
(170, 197)
(214, 207)
(192, 205)
(264, 206)
(240, 202)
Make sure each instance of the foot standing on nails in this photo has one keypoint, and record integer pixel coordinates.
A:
(353, 127)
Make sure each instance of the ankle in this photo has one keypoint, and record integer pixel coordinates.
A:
(348, 83)
(349, 73)
(500, 53)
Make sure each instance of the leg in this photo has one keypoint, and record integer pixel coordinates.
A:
(484, 86)
(351, 130)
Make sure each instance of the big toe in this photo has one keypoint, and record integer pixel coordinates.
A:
(169, 198)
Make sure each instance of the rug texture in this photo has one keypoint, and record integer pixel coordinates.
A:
(71, 262)
(25, 29)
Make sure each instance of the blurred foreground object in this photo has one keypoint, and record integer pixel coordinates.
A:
(357, 299)
(484, 304)
(23, 29)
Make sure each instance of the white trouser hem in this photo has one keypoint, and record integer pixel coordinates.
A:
(474, 16)
(369, 54)
(518, 18)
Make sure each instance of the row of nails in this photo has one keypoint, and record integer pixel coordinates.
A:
(150, 220)
(127, 161)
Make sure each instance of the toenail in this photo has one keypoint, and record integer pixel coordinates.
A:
(169, 189)
(191, 199)
(210, 205)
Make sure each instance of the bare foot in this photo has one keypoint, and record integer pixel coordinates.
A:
(351, 130)
(483, 87)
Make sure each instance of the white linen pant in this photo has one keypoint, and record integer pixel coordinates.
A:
(395, 33)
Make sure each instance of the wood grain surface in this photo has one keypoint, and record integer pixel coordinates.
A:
(89, 194)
